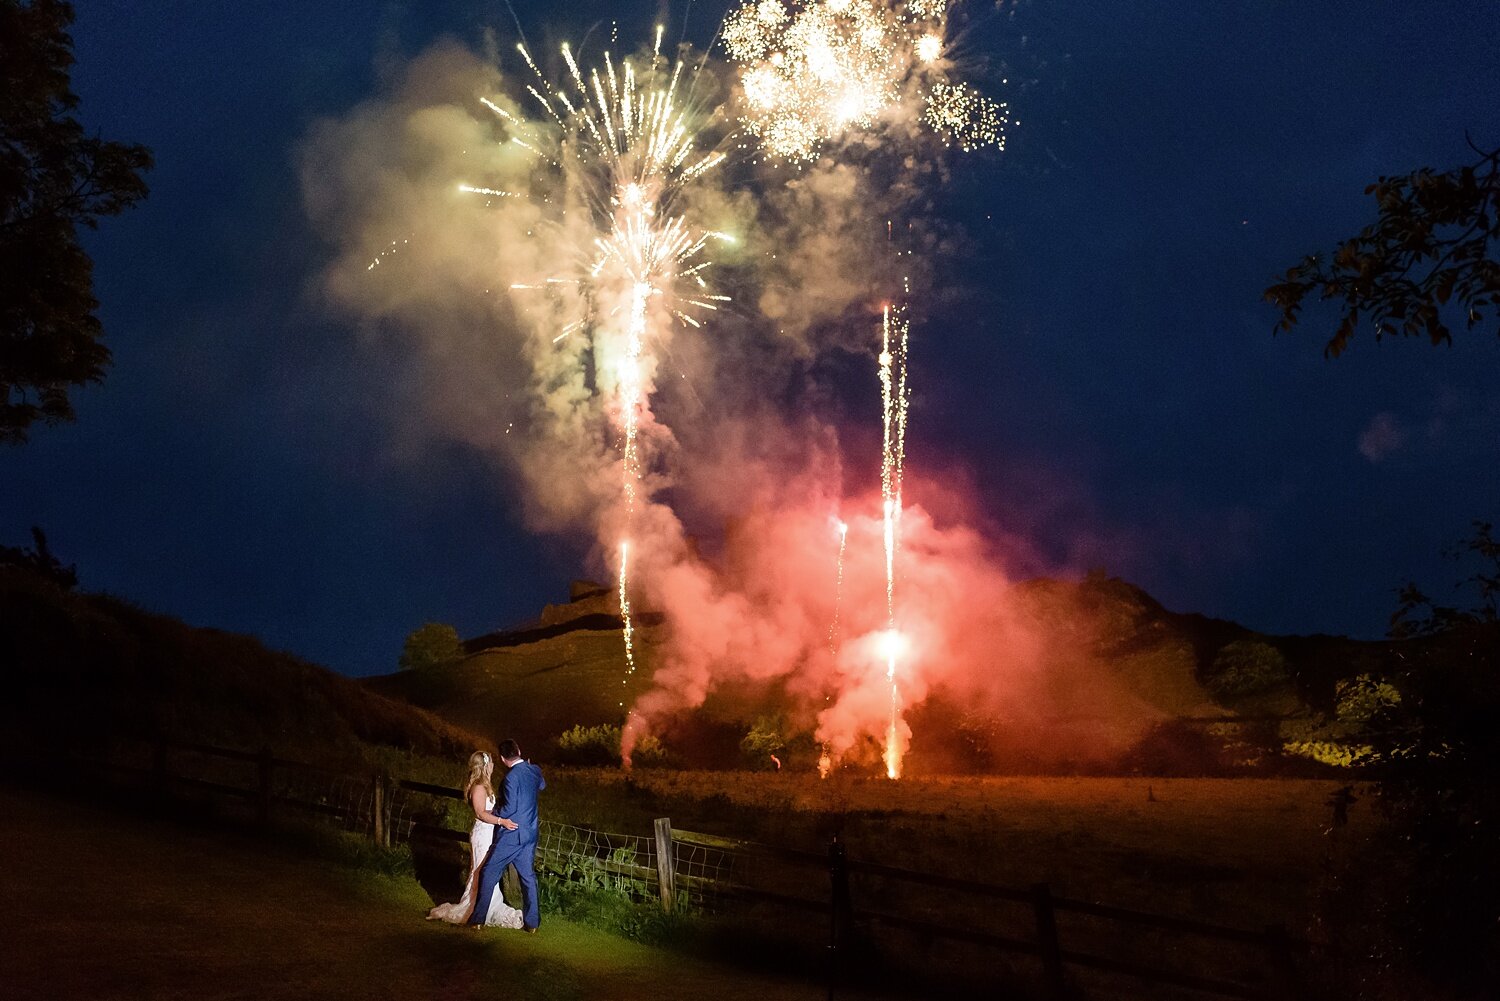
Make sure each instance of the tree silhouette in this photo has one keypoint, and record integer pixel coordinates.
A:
(54, 178)
(432, 644)
(1430, 255)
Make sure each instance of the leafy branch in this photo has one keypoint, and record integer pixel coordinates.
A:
(1427, 256)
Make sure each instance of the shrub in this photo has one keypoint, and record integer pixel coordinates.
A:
(431, 645)
(589, 745)
(649, 752)
(763, 740)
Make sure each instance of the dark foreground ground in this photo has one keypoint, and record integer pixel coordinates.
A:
(102, 903)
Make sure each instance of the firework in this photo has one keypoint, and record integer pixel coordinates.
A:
(623, 137)
(961, 116)
(894, 333)
(627, 626)
(838, 589)
(810, 72)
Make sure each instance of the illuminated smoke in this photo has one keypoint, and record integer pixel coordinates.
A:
(605, 232)
(626, 135)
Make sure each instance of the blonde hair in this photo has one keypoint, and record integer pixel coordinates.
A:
(481, 766)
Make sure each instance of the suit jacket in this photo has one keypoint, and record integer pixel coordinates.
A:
(518, 803)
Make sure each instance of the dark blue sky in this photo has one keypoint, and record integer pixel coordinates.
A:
(1101, 360)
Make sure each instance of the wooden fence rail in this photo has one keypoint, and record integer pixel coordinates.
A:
(664, 878)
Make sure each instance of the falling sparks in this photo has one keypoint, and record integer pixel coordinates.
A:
(810, 72)
(962, 116)
(624, 136)
(389, 251)
(894, 333)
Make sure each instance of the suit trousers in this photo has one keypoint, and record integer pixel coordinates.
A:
(502, 854)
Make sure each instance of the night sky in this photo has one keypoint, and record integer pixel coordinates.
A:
(1099, 359)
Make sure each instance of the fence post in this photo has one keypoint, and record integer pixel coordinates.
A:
(666, 864)
(839, 907)
(1282, 981)
(263, 800)
(380, 826)
(1046, 940)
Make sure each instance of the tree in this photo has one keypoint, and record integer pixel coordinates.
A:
(1431, 253)
(1431, 729)
(431, 645)
(54, 178)
(1246, 667)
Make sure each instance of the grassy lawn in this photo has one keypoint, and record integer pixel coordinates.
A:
(98, 903)
(1243, 852)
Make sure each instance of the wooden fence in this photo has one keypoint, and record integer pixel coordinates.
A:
(677, 868)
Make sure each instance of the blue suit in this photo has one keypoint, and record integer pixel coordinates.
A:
(518, 847)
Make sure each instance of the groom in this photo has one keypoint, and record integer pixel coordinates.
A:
(514, 847)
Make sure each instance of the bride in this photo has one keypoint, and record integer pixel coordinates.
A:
(480, 791)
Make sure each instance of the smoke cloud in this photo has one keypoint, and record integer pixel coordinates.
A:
(730, 440)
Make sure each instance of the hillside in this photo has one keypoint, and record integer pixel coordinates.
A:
(534, 683)
(89, 670)
(1131, 684)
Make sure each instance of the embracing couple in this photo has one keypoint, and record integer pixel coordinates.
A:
(502, 836)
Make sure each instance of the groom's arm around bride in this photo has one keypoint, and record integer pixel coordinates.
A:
(515, 846)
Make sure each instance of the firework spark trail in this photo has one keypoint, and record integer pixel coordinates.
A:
(628, 628)
(812, 71)
(632, 146)
(838, 590)
(825, 758)
(895, 330)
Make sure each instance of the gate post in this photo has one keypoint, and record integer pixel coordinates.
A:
(380, 827)
(666, 864)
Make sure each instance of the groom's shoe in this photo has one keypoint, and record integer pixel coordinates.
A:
(529, 931)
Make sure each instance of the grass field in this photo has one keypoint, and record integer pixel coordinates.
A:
(102, 904)
(1243, 852)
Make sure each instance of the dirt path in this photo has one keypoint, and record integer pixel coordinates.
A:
(100, 906)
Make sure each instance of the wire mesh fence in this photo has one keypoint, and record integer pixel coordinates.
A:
(345, 801)
(626, 863)
(704, 874)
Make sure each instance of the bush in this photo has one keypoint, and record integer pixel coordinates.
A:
(775, 735)
(431, 645)
(597, 746)
(763, 740)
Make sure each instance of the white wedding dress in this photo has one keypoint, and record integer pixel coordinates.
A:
(501, 914)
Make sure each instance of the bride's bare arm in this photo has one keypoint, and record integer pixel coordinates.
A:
(477, 800)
